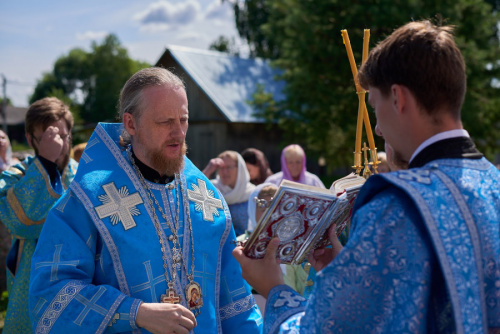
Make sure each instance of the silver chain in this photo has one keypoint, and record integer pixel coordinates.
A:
(174, 227)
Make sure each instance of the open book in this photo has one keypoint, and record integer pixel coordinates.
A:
(300, 216)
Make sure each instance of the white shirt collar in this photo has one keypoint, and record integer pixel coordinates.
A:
(440, 136)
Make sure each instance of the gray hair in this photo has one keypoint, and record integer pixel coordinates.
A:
(131, 93)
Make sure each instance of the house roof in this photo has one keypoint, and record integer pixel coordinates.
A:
(14, 115)
(229, 81)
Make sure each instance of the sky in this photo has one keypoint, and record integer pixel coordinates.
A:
(34, 33)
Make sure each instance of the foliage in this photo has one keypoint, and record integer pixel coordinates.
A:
(90, 81)
(9, 102)
(303, 37)
(4, 300)
(224, 44)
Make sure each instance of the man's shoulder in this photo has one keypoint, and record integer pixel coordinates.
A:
(382, 190)
(192, 173)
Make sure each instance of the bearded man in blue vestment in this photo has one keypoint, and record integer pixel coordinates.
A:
(424, 250)
(142, 241)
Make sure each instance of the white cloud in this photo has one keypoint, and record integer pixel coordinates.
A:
(219, 11)
(163, 15)
(189, 36)
(91, 35)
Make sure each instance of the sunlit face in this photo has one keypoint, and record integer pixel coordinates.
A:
(65, 135)
(253, 170)
(4, 142)
(158, 137)
(228, 173)
(294, 164)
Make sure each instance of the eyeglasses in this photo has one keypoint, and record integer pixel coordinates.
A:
(227, 167)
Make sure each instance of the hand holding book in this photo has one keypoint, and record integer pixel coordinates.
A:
(300, 216)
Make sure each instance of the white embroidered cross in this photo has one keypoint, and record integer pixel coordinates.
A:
(119, 205)
(286, 297)
(421, 176)
(204, 200)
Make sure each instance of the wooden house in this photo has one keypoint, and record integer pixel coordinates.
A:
(218, 88)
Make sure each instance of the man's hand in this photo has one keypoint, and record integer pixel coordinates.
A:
(50, 144)
(321, 257)
(212, 166)
(165, 318)
(263, 274)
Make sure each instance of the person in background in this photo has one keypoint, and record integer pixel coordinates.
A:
(233, 181)
(293, 168)
(6, 158)
(78, 151)
(27, 192)
(257, 165)
(446, 206)
(383, 166)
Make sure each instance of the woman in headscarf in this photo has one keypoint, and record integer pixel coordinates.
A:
(257, 165)
(293, 168)
(233, 181)
(6, 159)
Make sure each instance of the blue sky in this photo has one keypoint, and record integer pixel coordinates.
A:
(33, 34)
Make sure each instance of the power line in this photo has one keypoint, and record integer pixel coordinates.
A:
(20, 83)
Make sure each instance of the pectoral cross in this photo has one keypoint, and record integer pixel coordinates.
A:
(170, 297)
(115, 317)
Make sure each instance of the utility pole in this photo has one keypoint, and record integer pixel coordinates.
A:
(4, 105)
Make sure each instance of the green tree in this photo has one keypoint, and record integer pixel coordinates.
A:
(321, 103)
(91, 80)
(225, 44)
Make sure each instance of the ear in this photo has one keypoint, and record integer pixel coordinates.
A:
(399, 98)
(130, 123)
(29, 139)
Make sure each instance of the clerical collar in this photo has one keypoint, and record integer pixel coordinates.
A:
(150, 174)
(449, 148)
(440, 136)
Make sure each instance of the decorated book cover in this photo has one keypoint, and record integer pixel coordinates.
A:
(300, 216)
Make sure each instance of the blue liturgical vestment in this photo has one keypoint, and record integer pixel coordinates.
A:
(99, 254)
(423, 256)
(26, 196)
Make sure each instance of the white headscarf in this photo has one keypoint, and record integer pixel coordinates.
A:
(242, 189)
(252, 205)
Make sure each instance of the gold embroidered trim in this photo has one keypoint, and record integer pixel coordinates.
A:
(18, 210)
(16, 170)
(42, 171)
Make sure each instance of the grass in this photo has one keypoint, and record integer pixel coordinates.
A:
(4, 298)
(16, 147)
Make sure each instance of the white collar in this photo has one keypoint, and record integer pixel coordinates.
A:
(440, 136)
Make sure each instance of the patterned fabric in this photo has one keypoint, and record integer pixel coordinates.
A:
(410, 265)
(99, 254)
(26, 196)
